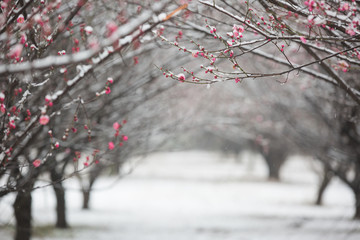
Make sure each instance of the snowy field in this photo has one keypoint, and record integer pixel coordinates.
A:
(199, 196)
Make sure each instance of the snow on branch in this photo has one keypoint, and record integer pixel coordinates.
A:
(122, 34)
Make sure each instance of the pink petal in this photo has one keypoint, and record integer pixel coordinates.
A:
(111, 145)
(44, 119)
(36, 163)
(303, 39)
(116, 126)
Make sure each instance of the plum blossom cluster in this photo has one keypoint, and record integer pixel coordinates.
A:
(118, 139)
(55, 56)
(28, 29)
(39, 20)
(13, 113)
(86, 159)
(325, 15)
(107, 89)
(230, 41)
(309, 28)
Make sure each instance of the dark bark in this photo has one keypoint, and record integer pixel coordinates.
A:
(356, 189)
(274, 160)
(61, 221)
(86, 191)
(351, 138)
(274, 171)
(22, 211)
(86, 198)
(357, 205)
(325, 182)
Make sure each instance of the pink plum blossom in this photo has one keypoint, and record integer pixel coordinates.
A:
(350, 31)
(111, 28)
(107, 90)
(111, 145)
(44, 119)
(303, 39)
(23, 38)
(116, 125)
(343, 65)
(2, 97)
(36, 163)
(181, 77)
(20, 18)
(15, 51)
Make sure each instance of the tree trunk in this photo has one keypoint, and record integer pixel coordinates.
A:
(357, 206)
(274, 160)
(86, 191)
(274, 171)
(60, 200)
(22, 210)
(60, 206)
(86, 198)
(325, 182)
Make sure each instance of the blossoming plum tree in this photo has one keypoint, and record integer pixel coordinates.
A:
(57, 72)
(316, 42)
(323, 34)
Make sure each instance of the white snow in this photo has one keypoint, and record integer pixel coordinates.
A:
(126, 40)
(161, 17)
(200, 195)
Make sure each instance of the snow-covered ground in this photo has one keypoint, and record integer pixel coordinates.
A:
(199, 195)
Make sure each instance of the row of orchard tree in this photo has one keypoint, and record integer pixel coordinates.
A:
(310, 48)
(86, 84)
(70, 76)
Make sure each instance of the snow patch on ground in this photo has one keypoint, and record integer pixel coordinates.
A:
(199, 195)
